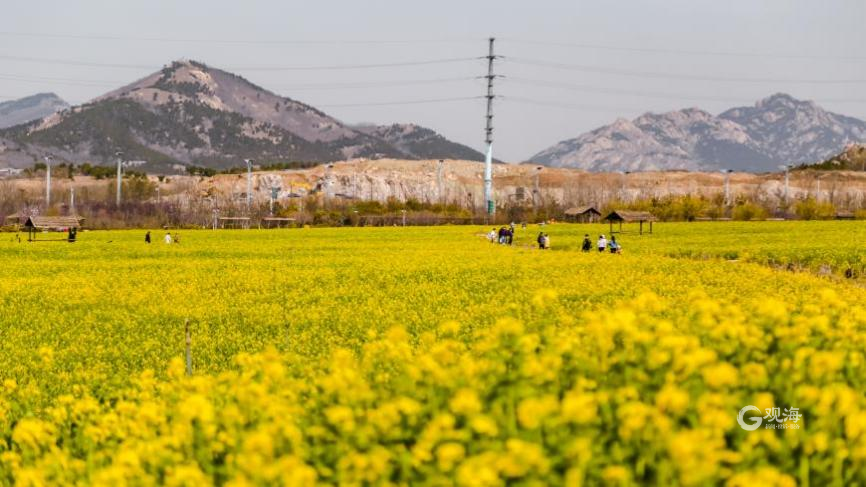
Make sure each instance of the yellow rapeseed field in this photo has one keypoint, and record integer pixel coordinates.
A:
(428, 356)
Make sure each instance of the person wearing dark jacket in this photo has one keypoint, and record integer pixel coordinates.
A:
(147, 237)
(587, 244)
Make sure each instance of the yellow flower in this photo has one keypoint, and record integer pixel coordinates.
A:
(465, 402)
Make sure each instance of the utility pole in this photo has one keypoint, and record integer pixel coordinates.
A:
(439, 182)
(727, 173)
(328, 175)
(71, 201)
(119, 174)
(536, 186)
(48, 160)
(786, 167)
(275, 192)
(488, 139)
(249, 163)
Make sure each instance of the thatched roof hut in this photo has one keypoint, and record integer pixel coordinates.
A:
(628, 216)
(57, 223)
(582, 214)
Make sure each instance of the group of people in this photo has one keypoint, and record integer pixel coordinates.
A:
(167, 239)
(505, 235)
(602, 244)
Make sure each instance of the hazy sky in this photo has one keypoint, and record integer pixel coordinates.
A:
(570, 65)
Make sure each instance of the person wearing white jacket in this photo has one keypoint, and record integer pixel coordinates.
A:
(602, 243)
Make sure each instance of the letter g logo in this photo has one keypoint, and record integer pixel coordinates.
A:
(754, 423)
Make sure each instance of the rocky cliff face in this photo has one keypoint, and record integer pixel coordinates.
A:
(777, 130)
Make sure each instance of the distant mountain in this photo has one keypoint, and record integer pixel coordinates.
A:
(192, 114)
(29, 108)
(420, 143)
(777, 130)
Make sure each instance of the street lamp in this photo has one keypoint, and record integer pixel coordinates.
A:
(48, 160)
(536, 190)
(119, 156)
(249, 163)
(275, 192)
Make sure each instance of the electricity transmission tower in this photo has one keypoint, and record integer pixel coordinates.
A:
(488, 139)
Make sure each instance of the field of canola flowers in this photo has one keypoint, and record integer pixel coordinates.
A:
(427, 356)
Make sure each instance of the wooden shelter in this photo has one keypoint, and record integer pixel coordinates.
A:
(35, 224)
(582, 214)
(14, 220)
(627, 216)
(234, 222)
(276, 222)
(845, 215)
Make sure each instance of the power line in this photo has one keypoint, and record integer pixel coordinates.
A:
(300, 87)
(650, 74)
(687, 52)
(289, 42)
(246, 68)
(355, 66)
(374, 84)
(76, 63)
(614, 91)
(559, 104)
(407, 102)
(63, 81)
(651, 94)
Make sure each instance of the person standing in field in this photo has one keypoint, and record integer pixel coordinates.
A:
(147, 237)
(587, 244)
(614, 247)
(602, 243)
(167, 238)
(540, 240)
(546, 241)
(177, 238)
(492, 236)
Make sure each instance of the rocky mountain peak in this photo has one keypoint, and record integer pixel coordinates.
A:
(30, 108)
(189, 113)
(779, 129)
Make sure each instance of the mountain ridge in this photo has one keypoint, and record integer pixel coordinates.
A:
(777, 130)
(191, 114)
(29, 108)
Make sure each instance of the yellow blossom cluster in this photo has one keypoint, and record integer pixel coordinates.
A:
(418, 357)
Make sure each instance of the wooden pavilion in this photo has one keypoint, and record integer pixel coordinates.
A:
(234, 222)
(35, 224)
(276, 222)
(627, 216)
(582, 214)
